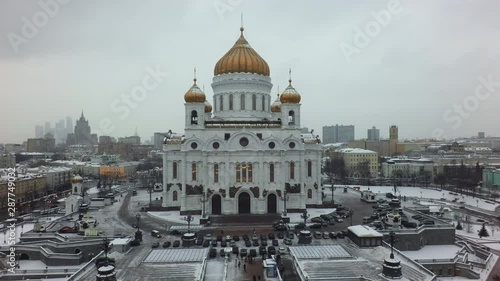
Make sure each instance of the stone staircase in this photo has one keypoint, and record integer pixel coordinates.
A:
(411, 273)
(244, 219)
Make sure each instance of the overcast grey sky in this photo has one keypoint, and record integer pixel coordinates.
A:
(419, 70)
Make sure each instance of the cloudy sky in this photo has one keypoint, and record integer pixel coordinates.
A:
(430, 67)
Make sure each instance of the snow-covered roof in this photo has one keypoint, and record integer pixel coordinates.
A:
(121, 241)
(434, 252)
(364, 231)
(355, 150)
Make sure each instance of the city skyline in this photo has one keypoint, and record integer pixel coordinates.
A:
(416, 71)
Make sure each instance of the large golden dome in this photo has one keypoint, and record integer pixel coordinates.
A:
(290, 95)
(194, 94)
(242, 58)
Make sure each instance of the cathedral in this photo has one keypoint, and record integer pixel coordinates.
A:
(246, 153)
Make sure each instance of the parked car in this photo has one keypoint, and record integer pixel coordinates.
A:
(300, 226)
(317, 235)
(176, 244)
(206, 243)
(271, 250)
(228, 238)
(232, 244)
(326, 235)
(245, 237)
(287, 241)
(317, 220)
(253, 253)
(219, 238)
(214, 243)
(223, 244)
(263, 242)
(155, 245)
(340, 234)
(333, 235)
(315, 226)
(255, 242)
(243, 252)
(212, 253)
(167, 244)
(236, 238)
(222, 252)
(279, 227)
(282, 251)
(275, 243)
(271, 236)
(248, 243)
(262, 250)
(235, 250)
(280, 235)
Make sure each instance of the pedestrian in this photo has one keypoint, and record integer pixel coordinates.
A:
(245, 267)
(239, 264)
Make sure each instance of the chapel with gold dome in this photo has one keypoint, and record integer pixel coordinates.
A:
(243, 152)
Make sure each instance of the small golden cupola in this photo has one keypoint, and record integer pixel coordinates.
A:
(290, 95)
(194, 94)
(276, 106)
(241, 58)
(208, 107)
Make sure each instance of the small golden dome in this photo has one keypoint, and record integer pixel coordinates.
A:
(77, 179)
(290, 95)
(242, 58)
(208, 107)
(276, 106)
(194, 94)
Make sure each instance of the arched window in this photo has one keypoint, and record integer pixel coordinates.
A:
(174, 196)
(309, 168)
(231, 102)
(242, 101)
(254, 102)
(292, 170)
(194, 117)
(174, 170)
(271, 172)
(291, 118)
(250, 173)
(193, 171)
(263, 103)
(309, 194)
(221, 106)
(76, 190)
(243, 173)
(238, 173)
(216, 173)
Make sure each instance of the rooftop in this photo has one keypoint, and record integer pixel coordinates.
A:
(364, 231)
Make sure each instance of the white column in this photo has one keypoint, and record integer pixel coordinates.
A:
(165, 179)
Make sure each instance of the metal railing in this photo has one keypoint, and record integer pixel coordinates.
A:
(84, 268)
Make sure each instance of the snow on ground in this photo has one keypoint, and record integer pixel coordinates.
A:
(434, 252)
(410, 191)
(295, 217)
(38, 264)
(174, 217)
(4, 236)
(94, 190)
(493, 231)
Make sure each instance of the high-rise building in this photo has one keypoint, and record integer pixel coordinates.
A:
(338, 133)
(47, 128)
(480, 135)
(393, 132)
(69, 125)
(60, 132)
(39, 132)
(373, 134)
(82, 131)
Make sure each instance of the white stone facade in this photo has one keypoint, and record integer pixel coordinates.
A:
(243, 157)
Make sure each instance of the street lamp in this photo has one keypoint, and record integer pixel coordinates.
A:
(285, 198)
(138, 217)
(150, 194)
(189, 219)
(203, 200)
(305, 216)
(333, 186)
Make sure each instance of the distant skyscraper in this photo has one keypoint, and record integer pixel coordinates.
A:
(82, 131)
(39, 132)
(60, 132)
(69, 125)
(373, 134)
(338, 133)
(480, 135)
(393, 132)
(47, 127)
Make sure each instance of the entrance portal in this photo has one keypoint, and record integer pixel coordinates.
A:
(216, 205)
(244, 203)
(272, 204)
